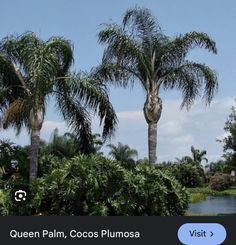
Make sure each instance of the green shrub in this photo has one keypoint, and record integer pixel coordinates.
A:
(81, 186)
(4, 202)
(152, 192)
(47, 163)
(95, 185)
(98, 186)
(220, 182)
(188, 174)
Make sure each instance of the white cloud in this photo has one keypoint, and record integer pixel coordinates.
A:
(49, 126)
(24, 138)
(130, 115)
(170, 128)
(177, 129)
(185, 139)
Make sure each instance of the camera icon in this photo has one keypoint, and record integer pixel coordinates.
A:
(20, 196)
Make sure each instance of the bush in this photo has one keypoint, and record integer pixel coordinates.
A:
(148, 191)
(220, 182)
(96, 185)
(188, 174)
(4, 202)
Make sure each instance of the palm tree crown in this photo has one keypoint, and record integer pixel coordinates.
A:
(138, 50)
(197, 157)
(122, 153)
(31, 71)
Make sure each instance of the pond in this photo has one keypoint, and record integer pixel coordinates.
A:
(215, 205)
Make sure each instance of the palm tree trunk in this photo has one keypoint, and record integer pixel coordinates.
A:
(152, 112)
(35, 139)
(152, 142)
(36, 121)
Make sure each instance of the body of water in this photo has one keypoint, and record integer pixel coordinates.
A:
(215, 205)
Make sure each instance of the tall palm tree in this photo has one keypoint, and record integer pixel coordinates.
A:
(33, 70)
(122, 153)
(138, 50)
(197, 157)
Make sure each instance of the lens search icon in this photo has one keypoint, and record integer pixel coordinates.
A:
(20, 196)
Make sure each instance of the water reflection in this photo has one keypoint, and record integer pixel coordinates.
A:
(215, 205)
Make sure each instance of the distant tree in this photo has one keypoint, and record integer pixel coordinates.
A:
(97, 143)
(123, 153)
(63, 146)
(195, 160)
(70, 145)
(230, 140)
(142, 161)
(187, 174)
(197, 157)
(219, 166)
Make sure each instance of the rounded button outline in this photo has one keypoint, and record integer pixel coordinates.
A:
(215, 234)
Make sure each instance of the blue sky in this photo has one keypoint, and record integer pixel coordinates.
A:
(79, 21)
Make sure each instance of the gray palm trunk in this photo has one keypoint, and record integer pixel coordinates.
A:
(152, 112)
(36, 121)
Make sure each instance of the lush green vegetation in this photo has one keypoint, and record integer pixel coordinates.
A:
(70, 174)
(200, 194)
(230, 140)
(95, 185)
(220, 182)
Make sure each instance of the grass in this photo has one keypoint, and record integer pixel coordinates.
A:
(201, 214)
(199, 194)
(197, 197)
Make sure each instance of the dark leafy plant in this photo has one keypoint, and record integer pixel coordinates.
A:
(123, 154)
(14, 161)
(187, 174)
(220, 182)
(230, 140)
(95, 185)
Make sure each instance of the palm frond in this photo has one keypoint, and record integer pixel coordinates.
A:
(63, 50)
(9, 82)
(93, 95)
(76, 116)
(18, 47)
(124, 55)
(174, 51)
(141, 23)
(16, 115)
(189, 79)
(121, 46)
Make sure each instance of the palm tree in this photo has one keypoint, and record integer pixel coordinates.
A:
(197, 157)
(122, 153)
(31, 72)
(63, 146)
(138, 50)
(69, 145)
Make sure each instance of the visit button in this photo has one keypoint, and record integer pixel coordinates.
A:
(202, 233)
